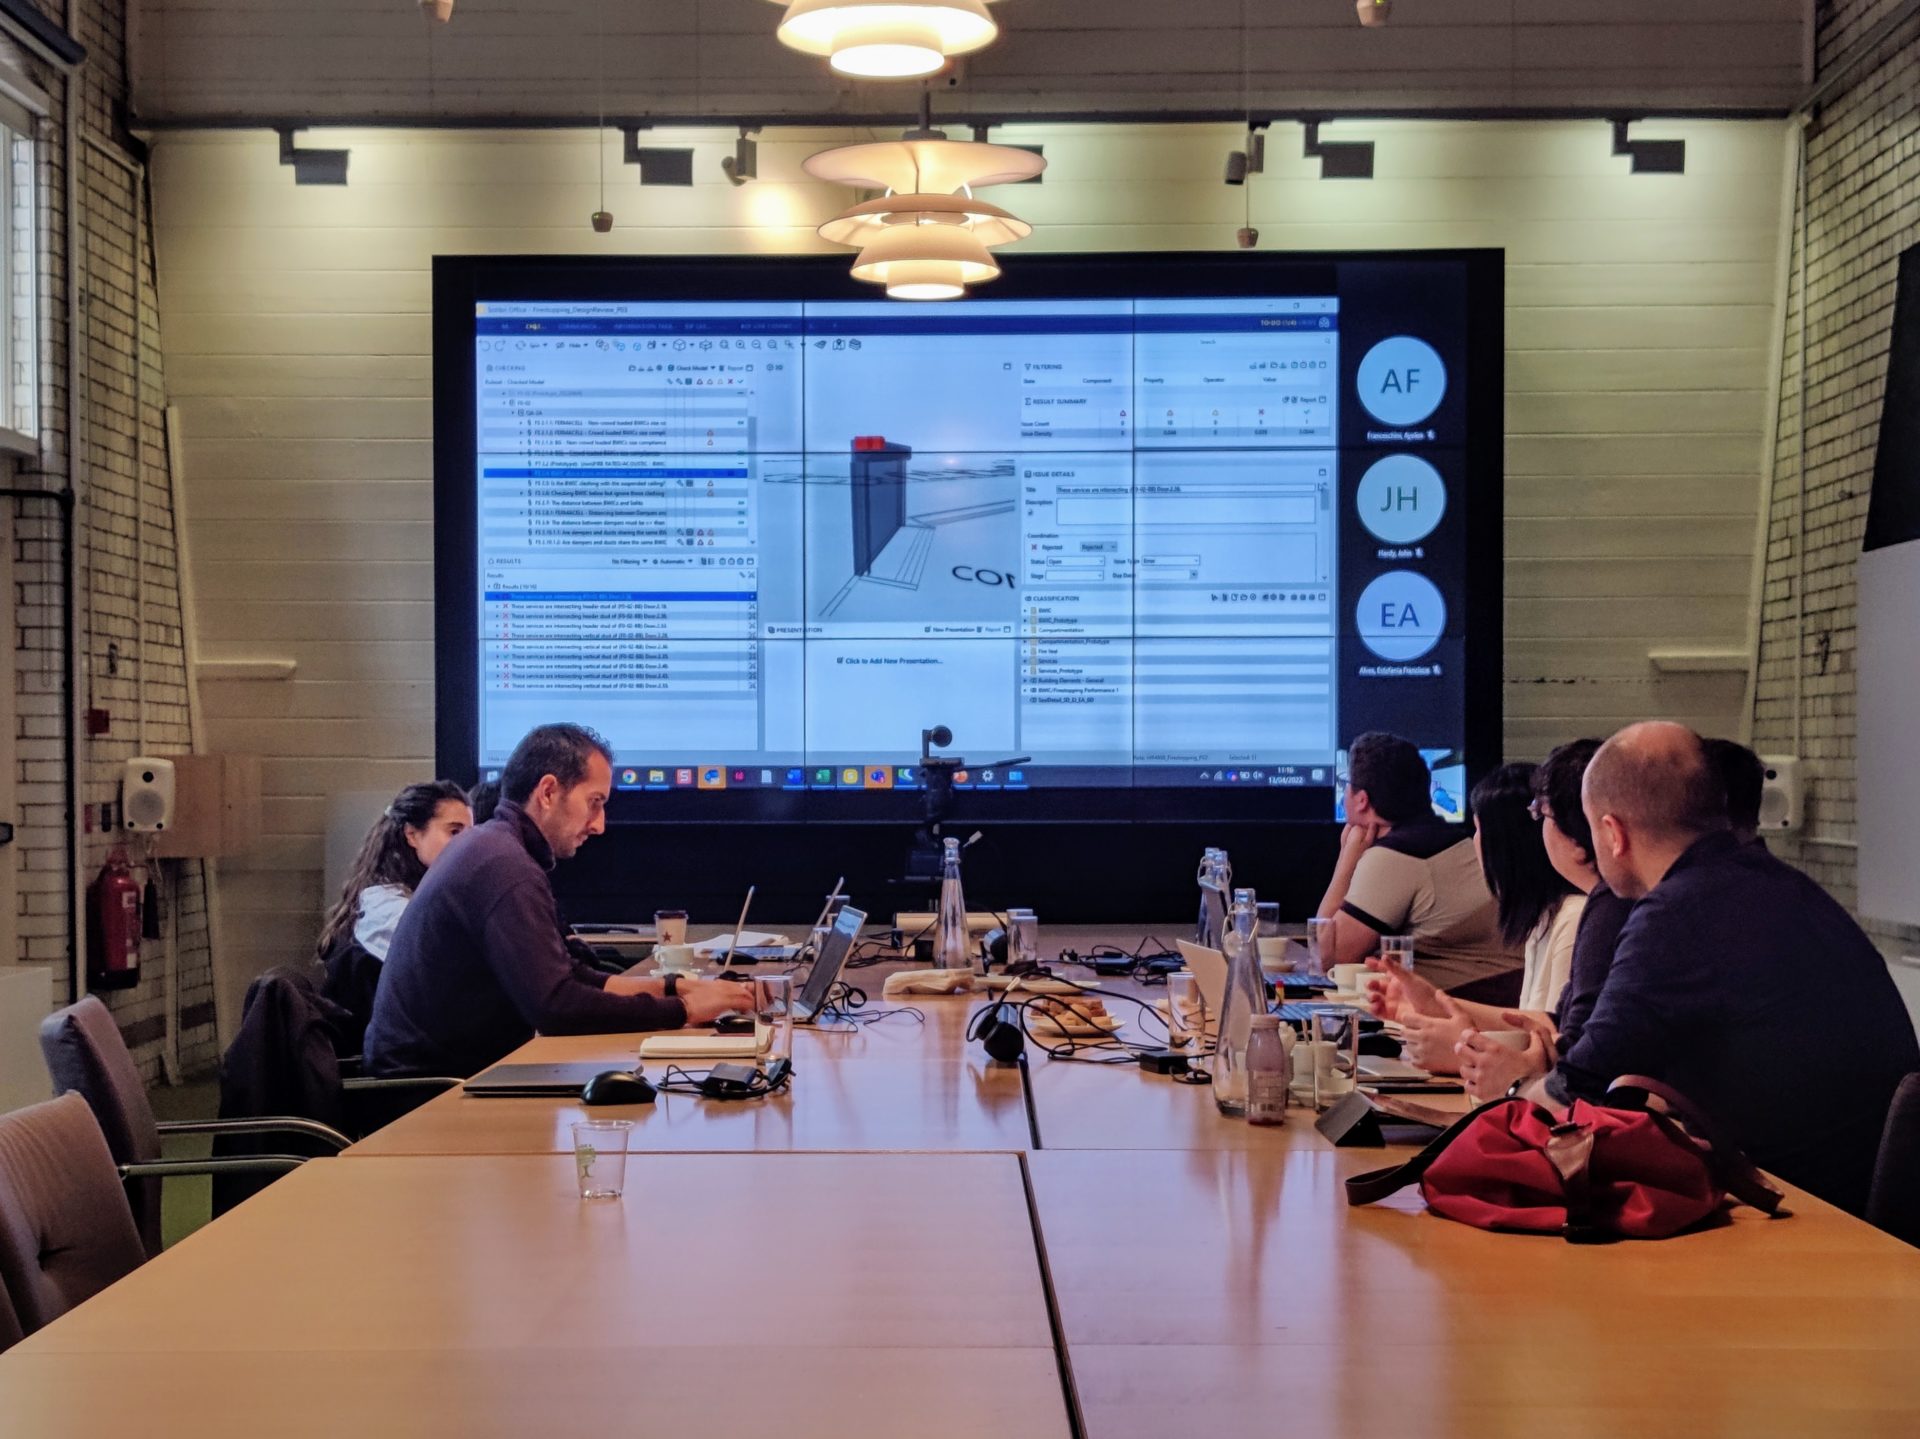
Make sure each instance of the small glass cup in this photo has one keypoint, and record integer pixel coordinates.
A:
(1267, 913)
(1397, 949)
(1023, 937)
(1336, 1053)
(600, 1156)
(670, 926)
(773, 1017)
(1319, 945)
(1186, 1011)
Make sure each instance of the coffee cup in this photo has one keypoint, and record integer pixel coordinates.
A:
(677, 959)
(1273, 956)
(1354, 978)
(670, 926)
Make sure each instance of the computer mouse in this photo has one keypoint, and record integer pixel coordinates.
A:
(618, 1086)
(732, 1022)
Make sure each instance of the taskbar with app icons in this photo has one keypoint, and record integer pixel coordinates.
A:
(884, 775)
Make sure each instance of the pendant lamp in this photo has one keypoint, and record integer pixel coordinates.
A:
(886, 39)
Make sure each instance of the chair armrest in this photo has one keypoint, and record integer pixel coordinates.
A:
(252, 1164)
(412, 1081)
(268, 1124)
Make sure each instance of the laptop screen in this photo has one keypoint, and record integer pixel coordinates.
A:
(826, 964)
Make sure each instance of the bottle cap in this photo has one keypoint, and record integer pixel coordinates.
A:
(1266, 1021)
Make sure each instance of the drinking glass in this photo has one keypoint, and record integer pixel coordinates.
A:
(1023, 937)
(1186, 1011)
(600, 1156)
(1336, 1036)
(773, 1017)
(1267, 913)
(670, 926)
(1397, 949)
(1319, 945)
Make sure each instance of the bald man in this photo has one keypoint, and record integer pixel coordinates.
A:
(1737, 980)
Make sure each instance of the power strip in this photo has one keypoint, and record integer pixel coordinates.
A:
(919, 926)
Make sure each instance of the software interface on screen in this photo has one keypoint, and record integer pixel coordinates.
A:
(765, 545)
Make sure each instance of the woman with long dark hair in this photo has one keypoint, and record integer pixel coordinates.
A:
(1539, 913)
(422, 820)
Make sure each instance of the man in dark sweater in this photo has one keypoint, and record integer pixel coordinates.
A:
(478, 962)
(1736, 979)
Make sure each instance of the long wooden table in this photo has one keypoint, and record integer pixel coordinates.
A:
(1123, 1262)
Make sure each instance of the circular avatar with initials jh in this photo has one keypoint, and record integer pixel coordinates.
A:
(1401, 499)
(1402, 381)
(1401, 615)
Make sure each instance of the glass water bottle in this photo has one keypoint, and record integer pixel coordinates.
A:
(1245, 997)
(952, 945)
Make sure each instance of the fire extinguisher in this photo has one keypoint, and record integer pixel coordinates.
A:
(113, 949)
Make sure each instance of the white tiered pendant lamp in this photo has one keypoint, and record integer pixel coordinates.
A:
(928, 236)
(886, 39)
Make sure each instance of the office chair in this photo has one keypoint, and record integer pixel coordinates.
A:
(86, 1055)
(1893, 1201)
(66, 1232)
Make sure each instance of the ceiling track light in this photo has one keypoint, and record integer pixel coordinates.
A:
(659, 165)
(1250, 161)
(887, 39)
(744, 163)
(1339, 159)
(313, 167)
(925, 234)
(1650, 157)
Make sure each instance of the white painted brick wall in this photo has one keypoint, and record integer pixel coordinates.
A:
(1862, 210)
(124, 478)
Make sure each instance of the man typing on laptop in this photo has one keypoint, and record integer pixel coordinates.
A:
(478, 962)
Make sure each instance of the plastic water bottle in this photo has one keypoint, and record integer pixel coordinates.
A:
(1268, 1072)
(1245, 998)
(952, 944)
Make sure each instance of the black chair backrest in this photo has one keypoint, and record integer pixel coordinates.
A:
(1893, 1203)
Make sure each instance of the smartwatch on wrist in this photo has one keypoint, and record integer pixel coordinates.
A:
(673, 985)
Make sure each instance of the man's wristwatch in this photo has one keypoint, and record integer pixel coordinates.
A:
(672, 985)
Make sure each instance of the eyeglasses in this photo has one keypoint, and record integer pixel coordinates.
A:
(1539, 811)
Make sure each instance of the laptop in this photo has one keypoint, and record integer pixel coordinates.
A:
(807, 1005)
(740, 953)
(535, 1081)
(1209, 969)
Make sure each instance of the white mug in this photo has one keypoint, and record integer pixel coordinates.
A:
(676, 958)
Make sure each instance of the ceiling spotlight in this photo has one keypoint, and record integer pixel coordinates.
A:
(1373, 13)
(1339, 159)
(441, 10)
(744, 163)
(1650, 157)
(887, 39)
(313, 167)
(926, 236)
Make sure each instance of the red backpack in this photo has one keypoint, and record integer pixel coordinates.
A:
(1645, 1165)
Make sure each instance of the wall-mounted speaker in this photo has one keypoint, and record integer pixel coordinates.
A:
(1781, 806)
(146, 795)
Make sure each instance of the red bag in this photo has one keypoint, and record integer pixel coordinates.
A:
(1644, 1168)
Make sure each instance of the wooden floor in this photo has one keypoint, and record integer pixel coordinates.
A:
(916, 1241)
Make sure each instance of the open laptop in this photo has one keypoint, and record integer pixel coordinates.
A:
(807, 1005)
(747, 953)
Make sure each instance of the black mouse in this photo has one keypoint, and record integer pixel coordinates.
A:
(732, 1022)
(618, 1086)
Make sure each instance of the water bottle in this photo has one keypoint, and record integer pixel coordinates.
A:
(952, 945)
(1268, 1071)
(1216, 874)
(1209, 858)
(1245, 998)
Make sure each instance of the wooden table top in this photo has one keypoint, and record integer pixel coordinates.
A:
(483, 1295)
(1205, 1274)
(1238, 1289)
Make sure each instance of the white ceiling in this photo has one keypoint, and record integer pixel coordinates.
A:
(234, 61)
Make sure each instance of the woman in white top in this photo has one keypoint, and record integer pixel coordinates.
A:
(1539, 914)
(422, 820)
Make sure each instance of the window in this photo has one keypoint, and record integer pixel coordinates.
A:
(19, 298)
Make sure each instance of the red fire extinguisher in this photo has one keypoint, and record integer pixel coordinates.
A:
(113, 948)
